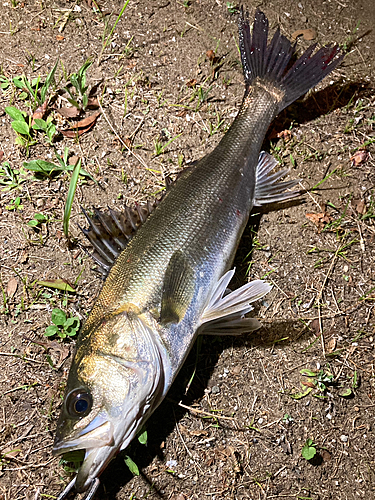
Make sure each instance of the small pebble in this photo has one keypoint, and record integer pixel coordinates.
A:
(215, 389)
(344, 438)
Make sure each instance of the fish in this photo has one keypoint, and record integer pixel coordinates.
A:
(168, 263)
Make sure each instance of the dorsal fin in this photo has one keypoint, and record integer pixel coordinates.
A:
(109, 232)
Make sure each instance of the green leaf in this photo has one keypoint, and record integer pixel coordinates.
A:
(142, 438)
(308, 373)
(40, 217)
(71, 326)
(346, 392)
(132, 466)
(308, 450)
(49, 80)
(301, 395)
(21, 127)
(46, 167)
(58, 316)
(70, 197)
(32, 223)
(39, 124)
(59, 284)
(51, 330)
(14, 113)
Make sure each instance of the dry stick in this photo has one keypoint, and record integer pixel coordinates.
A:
(205, 412)
(320, 296)
(186, 448)
(141, 161)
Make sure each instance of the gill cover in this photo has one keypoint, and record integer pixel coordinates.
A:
(109, 394)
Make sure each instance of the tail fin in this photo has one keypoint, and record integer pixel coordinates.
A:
(269, 63)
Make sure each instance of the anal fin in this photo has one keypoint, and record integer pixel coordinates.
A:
(268, 189)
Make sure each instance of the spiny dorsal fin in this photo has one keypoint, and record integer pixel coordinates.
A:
(109, 232)
(178, 289)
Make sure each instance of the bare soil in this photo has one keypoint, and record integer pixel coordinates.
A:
(248, 410)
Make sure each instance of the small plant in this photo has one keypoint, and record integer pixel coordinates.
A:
(21, 125)
(37, 220)
(232, 8)
(287, 419)
(320, 379)
(11, 178)
(34, 90)
(160, 147)
(47, 168)
(15, 204)
(5, 83)
(79, 99)
(309, 450)
(46, 126)
(62, 326)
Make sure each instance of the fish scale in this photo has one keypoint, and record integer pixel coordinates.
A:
(170, 282)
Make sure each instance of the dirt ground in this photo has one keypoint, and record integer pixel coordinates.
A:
(251, 406)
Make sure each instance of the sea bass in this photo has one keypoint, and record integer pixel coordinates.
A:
(169, 282)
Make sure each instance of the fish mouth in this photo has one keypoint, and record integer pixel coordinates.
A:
(97, 440)
(96, 435)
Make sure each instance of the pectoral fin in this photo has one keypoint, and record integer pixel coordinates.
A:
(178, 289)
(224, 314)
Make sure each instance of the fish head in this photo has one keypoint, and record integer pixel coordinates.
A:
(116, 380)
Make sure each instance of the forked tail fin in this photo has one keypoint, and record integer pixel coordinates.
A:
(270, 62)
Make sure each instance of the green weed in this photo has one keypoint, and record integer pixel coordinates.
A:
(15, 204)
(62, 326)
(309, 450)
(79, 98)
(37, 220)
(11, 178)
(21, 125)
(70, 197)
(160, 147)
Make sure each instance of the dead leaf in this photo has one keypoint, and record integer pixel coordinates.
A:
(39, 112)
(307, 383)
(315, 326)
(24, 257)
(12, 287)
(285, 134)
(326, 456)
(179, 496)
(320, 219)
(11, 452)
(73, 160)
(360, 157)
(81, 127)
(359, 206)
(210, 54)
(92, 103)
(331, 345)
(60, 38)
(68, 111)
(59, 352)
(307, 34)
(191, 83)
(128, 142)
(1, 155)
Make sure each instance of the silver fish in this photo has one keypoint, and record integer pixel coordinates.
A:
(168, 284)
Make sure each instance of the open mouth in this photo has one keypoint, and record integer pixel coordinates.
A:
(93, 436)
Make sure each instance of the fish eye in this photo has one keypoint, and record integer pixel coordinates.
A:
(78, 403)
